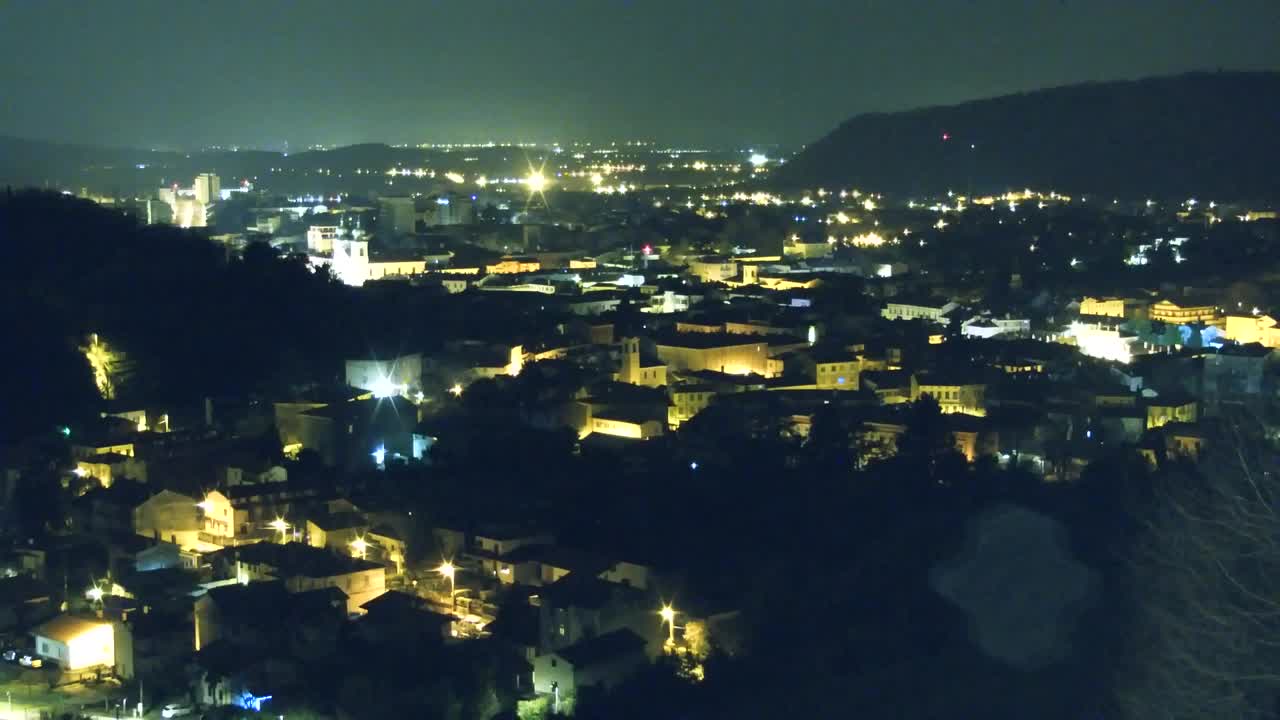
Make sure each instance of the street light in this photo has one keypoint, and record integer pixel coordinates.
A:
(280, 526)
(456, 389)
(94, 593)
(448, 570)
(359, 547)
(668, 615)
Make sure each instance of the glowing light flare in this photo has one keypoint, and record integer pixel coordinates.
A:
(379, 455)
(359, 547)
(536, 181)
(94, 593)
(758, 160)
(384, 387)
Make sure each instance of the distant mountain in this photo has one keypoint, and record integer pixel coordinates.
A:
(1210, 135)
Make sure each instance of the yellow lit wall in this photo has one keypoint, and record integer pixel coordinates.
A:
(734, 359)
(837, 375)
(713, 270)
(1102, 307)
(686, 404)
(1169, 312)
(1246, 329)
(1159, 415)
(969, 399)
(509, 266)
(92, 645)
(379, 270)
(625, 428)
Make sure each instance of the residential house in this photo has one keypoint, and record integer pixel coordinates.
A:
(929, 309)
(78, 644)
(303, 568)
(953, 392)
(602, 661)
(581, 606)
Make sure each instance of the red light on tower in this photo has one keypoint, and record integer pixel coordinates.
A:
(647, 249)
(946, 136)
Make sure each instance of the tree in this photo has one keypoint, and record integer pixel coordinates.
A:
(1206, 579)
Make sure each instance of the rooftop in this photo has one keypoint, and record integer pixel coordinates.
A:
(299, 559)
(66, 628)
(602, 648)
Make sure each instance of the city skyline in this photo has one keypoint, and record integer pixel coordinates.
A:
(759, 73)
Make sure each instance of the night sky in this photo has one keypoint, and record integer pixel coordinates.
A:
(260, 73)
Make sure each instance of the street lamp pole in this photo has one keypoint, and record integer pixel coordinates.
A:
(668, 614)
(448, 570)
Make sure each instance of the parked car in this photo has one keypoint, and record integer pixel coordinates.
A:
(31, 661)
(173, 710)
(10, 656)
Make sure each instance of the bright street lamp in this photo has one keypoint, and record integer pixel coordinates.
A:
(448, 570)
(359, 547)
(536, 181)
(280, 526)
(668, 615)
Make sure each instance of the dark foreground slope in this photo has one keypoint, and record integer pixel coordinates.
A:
(1212, 135)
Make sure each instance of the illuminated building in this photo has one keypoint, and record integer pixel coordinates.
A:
(320, 238)
(201, 525)
(1119, 308)
(635, 371)
(836, 371)
(514, 265)
(303, 568)
(931, 310)
(619, 424)
(1168, 311)
(336, 531)
(399, 375)
(1164, 410)
(989, 327)
(1103, 343)
(621, 410)
(1252, 328)
(207, 188)
(352, 264)
(713, 269)
(76, 643)
(953, 394)
(396, 216)
(733, 354)
(602, 661)
(106, 468)
(687, 401)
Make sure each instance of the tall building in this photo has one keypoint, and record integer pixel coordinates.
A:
(396, 215)
(207, 188)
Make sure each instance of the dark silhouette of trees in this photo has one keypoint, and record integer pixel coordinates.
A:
(1206, 583)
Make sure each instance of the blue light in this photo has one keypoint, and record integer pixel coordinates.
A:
(693, 465)
(442, 201)
(249, 701)
(379, 455)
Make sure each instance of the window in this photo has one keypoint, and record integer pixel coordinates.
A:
(553, 662)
